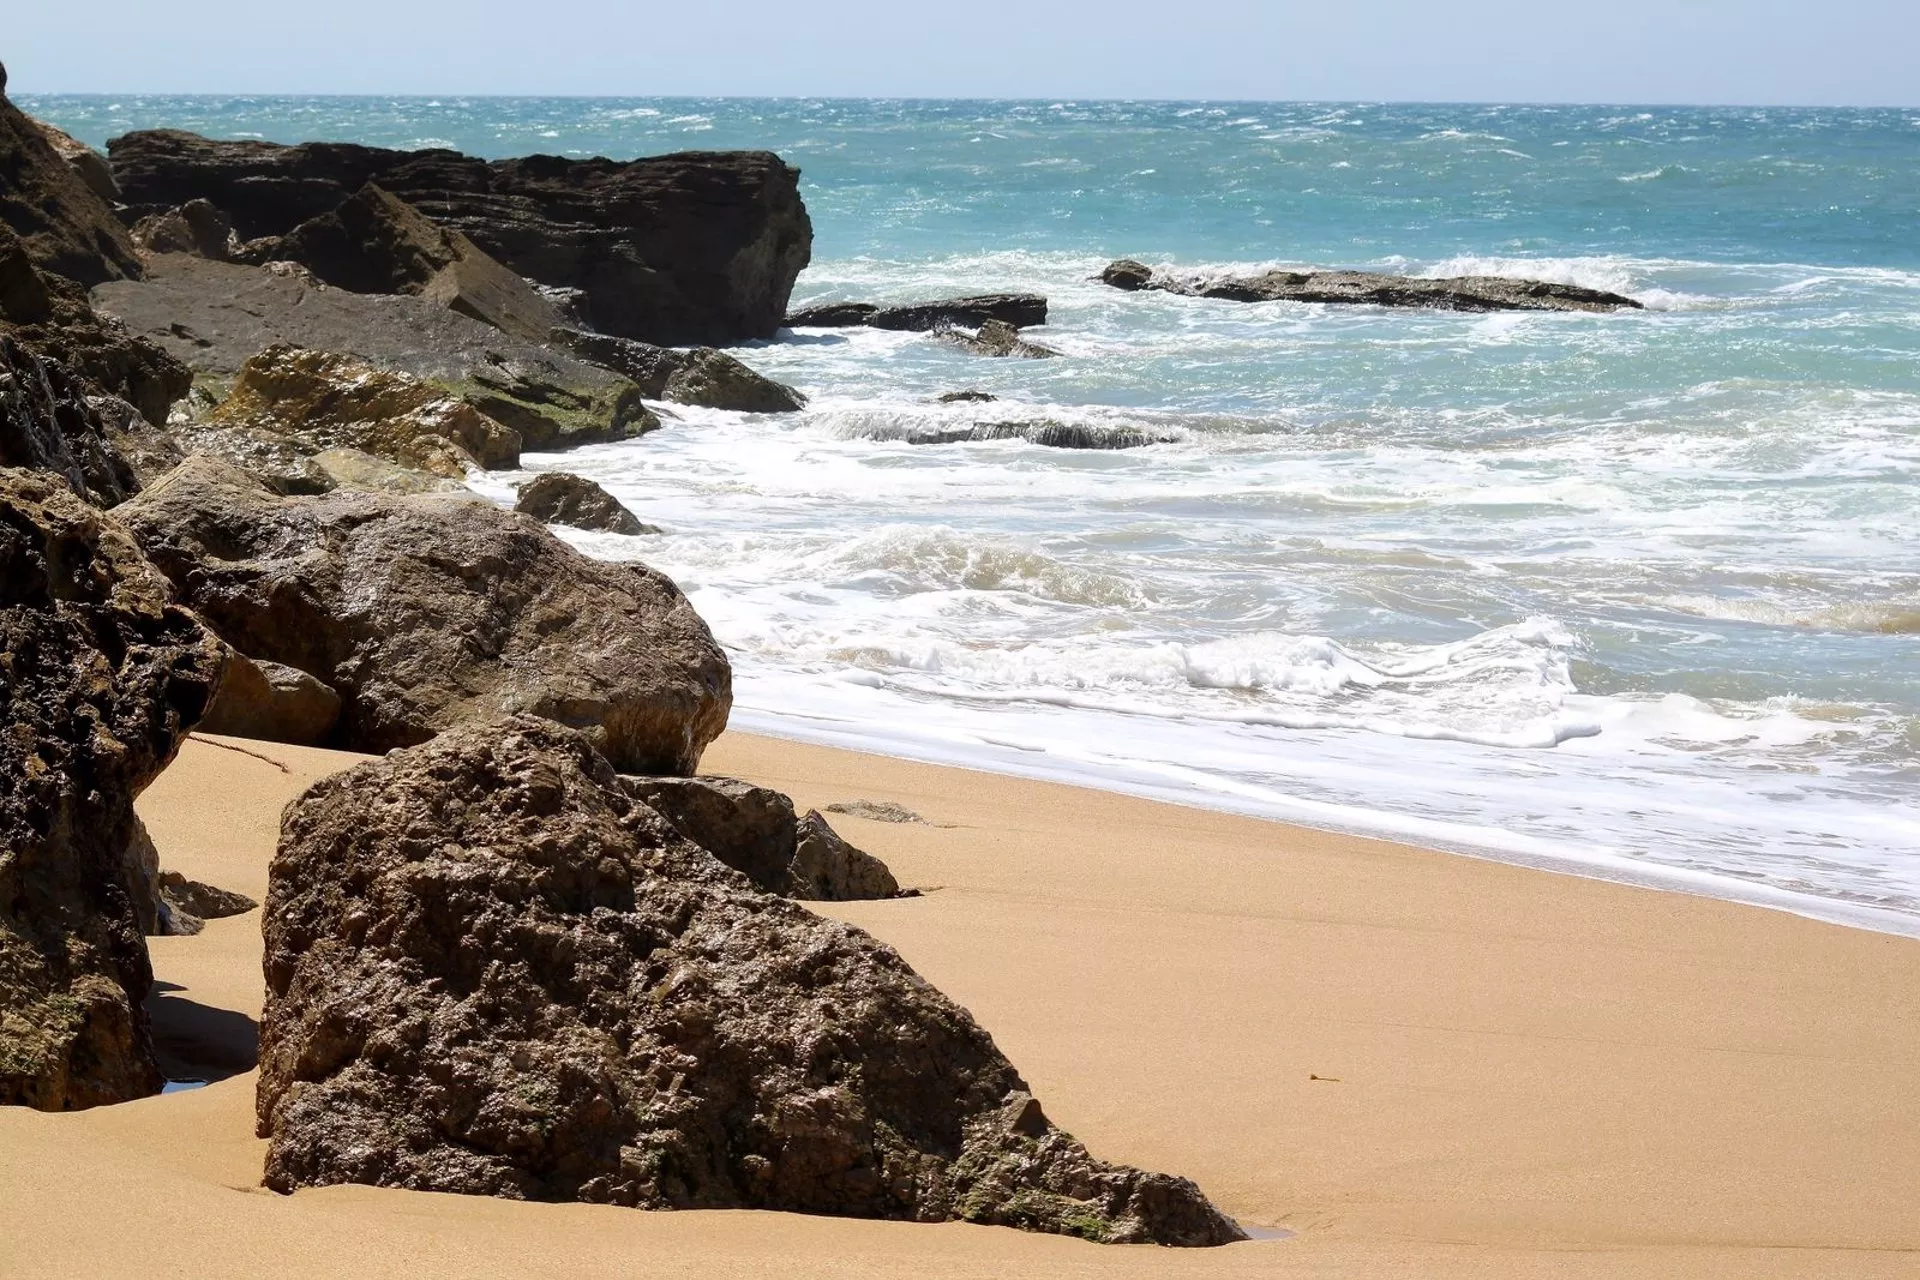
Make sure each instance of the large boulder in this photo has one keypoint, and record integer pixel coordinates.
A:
(1021, 310)
(196, 227)
(375, 242)
(1369, 288)
(429, 611)
(554, 497)
(702, 376)
(273, 702)
(754, 830)
(490, 971)
(102, 676)
(698, 247)
(67, 227)
(216, 316)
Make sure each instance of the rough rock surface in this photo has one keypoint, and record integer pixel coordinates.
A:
(490, 971)
(196, 227)
(317, 400)
(1454, 293)
(48, 423)
(272, 702)
(216, 316)
(996, 338)
(189, 904)
(352, 469)
(554, 497)
(967, 397)
(66, 227)
(686, 248)
(877, 811)
(90, 165)
(374, 242)
(50, 314)
(102, 676)
(754, 831)
(426, 612)
(703, 376)
(1021, 310)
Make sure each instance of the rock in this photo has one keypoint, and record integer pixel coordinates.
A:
(1020, 310)
(319, 401)
(149, 450)
(48, 423)
(996, 338)
(687, 248)
(425, 612)
(491, 972)
(201, 902)
(877, 811)
(716, 380)
(65, 225)
(554, 497)
(352, 469)
(754, 831)
(702, 376)
(271, 702)
(1455, 293)
(375, 242)
(216, 316)
(1072, 435)
(196, 227)
(103, 675)
(89, 165)
(967, 397)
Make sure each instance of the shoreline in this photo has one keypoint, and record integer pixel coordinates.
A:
(1430, 834)
(1417, 1063)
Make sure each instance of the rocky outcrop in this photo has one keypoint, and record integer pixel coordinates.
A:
(554, 497)
(490, 971)
(89, 165)
(196, 227)
(698, 247)
(65, 225)
(272, 702)
(703, 376)
(316, 401)
(1020, 310)
(375, 242)
(996, 338)
(754, 831)
(216, 316)
(102, 676)
(47, 423)
(428, 612)
(1454, 293)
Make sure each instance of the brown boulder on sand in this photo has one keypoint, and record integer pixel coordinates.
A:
(424, 612)
(267, 700)
(491, 972)
(102, 677)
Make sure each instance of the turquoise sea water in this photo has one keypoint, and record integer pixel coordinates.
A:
(1637, 593)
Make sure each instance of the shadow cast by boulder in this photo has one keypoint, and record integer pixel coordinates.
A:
(193, 1041)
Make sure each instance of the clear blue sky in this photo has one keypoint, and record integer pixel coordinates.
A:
(1859, 52)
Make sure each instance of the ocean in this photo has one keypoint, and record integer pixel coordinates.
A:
(1634, 595)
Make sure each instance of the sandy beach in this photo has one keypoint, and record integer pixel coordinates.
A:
(1418, 1064)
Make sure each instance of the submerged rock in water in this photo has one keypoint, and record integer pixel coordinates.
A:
(1020, 310)
(754, 830)
(700, 246)
(103, 676)
(996, 338)
(702, 376)
(1054, 435)
(1455, 293)
(491, 971)
(966, 397)
(430, 611)
(554, 497)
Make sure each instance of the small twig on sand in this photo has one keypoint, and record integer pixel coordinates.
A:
(228, 746)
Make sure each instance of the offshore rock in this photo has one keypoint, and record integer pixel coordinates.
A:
(698, 247)
(102, 676)
(490, 971)
(375, 242)
(996, 338)
(754, 831)
(216, 316)
(430, 611)
(196, 227)
(554, 497)
(1021, 310)
(272, 702)
(1455, 293)
(703, 376)
(66, 226)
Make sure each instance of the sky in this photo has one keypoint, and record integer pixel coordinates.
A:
(1829, 52)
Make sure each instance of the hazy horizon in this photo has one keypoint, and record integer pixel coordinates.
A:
(1761, 53)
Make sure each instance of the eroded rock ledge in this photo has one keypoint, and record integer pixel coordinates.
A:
(492, 971)
(1454, 293)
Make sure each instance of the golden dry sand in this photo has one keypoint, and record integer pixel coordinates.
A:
(1424, 1065)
